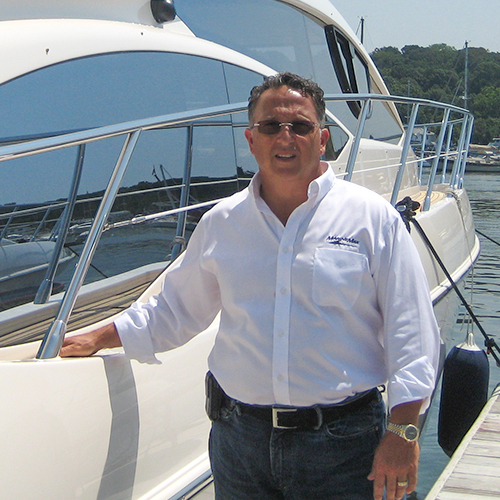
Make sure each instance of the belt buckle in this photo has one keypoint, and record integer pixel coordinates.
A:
(276, 414)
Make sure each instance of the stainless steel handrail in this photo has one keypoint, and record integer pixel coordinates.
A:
(52, 342)
(45, 288)
(37, 146)
(404, 153)
(396, 100)
(54, 337)
(353, 153)
(435, 163)
(179, 241)
(461, 152)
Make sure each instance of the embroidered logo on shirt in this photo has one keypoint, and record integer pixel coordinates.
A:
(342, 241)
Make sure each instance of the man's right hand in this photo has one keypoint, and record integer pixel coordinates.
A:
(90, 343)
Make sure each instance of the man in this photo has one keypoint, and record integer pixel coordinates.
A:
(322, 299)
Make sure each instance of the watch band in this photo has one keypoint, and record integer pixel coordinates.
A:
(408, 432)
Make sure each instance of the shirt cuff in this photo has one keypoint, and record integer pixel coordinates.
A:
(413, 383)
(136, 343)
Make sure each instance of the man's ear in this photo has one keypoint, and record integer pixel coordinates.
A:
(249, 137)
(325, 135)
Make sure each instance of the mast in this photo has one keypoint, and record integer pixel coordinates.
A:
(466, 76)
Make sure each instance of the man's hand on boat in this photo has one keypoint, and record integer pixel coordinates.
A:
(87, 344)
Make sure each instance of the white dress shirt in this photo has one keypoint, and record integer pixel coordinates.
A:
(334, 303)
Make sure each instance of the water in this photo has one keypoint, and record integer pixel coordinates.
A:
(483, 292)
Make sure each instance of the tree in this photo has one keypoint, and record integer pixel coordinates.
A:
(437, 73)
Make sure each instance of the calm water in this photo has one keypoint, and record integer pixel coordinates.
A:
(484, 194)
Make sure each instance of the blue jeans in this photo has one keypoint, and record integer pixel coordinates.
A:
(252, 461)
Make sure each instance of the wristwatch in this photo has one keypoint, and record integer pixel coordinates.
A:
(408, 432)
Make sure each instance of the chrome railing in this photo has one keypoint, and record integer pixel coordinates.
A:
(131, 131)
(45, 288)
(443, 150)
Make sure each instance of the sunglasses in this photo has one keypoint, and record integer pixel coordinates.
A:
(274, 127)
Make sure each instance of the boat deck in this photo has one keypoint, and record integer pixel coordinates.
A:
(82, 316)
(472, 473)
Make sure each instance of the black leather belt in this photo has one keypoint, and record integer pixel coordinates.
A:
(309, 418)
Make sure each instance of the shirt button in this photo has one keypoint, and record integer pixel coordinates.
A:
(280, 378)
(283, 291)
(285, 250)
(281, 333)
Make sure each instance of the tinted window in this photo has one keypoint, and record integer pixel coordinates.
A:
(266, 30)
(287, 40)
(108, 89)
(113, 88)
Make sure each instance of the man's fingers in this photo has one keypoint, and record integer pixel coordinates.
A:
(89, 343)
(401, 487)
(394, 488)
(378, 485)
(412, 483)
(74, 347)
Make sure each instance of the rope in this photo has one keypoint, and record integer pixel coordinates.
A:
(91, 265)
(487, 237)
(408, 216)
(179, 240)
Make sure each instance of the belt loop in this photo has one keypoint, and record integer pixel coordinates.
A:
(319, 413)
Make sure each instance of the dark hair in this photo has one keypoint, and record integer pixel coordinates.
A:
(303, 85)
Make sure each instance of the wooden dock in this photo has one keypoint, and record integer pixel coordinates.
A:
(473, 472)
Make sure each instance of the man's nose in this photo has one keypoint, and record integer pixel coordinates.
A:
(286, 131)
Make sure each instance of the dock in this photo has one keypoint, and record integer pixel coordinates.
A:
(473, 470)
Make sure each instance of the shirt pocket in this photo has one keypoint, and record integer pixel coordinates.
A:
(338, 277)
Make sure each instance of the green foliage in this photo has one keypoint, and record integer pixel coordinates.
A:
(437, 73)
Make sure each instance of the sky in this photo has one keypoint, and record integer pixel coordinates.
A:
(398, 23)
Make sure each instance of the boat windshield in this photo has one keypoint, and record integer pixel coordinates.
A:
(112, 88)
(286, 39)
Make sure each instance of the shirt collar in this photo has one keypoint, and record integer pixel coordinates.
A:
(317, 188)
(321, 185)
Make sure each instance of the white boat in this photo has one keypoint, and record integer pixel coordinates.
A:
(484, 164)
(23, 266)
(484, 159)
(134, 84)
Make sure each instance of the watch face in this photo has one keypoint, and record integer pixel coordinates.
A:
(411, 433)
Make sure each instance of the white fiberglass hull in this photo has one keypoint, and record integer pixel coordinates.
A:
(103, 427)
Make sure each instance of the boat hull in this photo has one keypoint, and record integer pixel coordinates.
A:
(116, 428)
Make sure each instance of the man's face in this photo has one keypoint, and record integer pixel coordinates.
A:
(287, 153)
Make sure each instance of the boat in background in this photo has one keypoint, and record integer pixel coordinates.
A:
(23, 266)
(486, 164)
(94, 96)
(484, 159)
